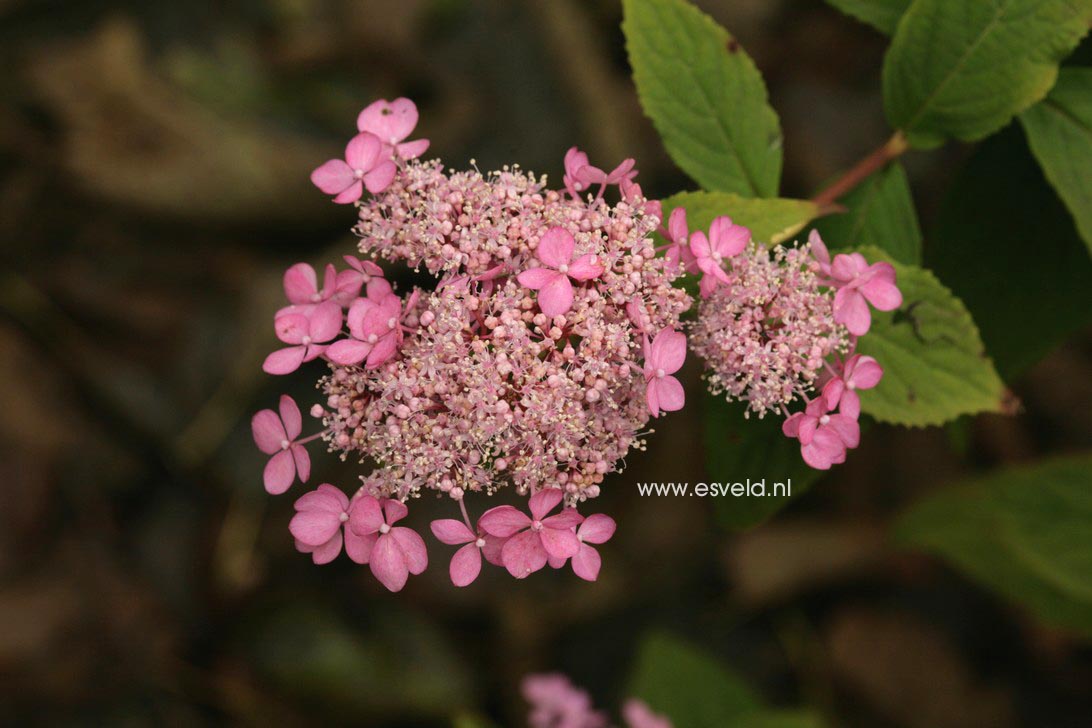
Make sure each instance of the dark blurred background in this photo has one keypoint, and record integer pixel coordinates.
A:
(154, 161)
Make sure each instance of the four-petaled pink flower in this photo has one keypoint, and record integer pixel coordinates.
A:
(858, 285)
(396, 551)
(580, 175)
(823, 437)
(320, 526)
(725, 240)
(859, 372)
(533, 540)
(663, 358)
(363, 167)
(308, 333)
(596, 529)
(555, 292)
(276, 435)
(376, 332)
(393, 121)
(466, 564)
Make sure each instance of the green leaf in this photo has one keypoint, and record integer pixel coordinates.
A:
(881, 214)
(935, 368)
(1017, 261)
(1025, 532)
(964, 68)
(705, 97)
(738, 449)
(883, 15)
(1059, 130)
(770, 221)
(694, 690)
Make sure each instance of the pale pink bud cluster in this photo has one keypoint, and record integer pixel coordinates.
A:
(535, 361)
(777, 325)
(557, 703)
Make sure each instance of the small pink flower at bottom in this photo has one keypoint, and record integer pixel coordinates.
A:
(823, 437)
(557, 703)
(725, 241)
(396, 551)
(363, 167)
(320, 526)
(638, 715)
(555, 251)
(598, 529)
(392, 122)
(308, 333)
(276, 435)
(663, 358)
(859, 372)
(532, 541)
(466, 564)
(860, 284)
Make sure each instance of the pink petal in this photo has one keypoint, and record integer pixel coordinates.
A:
(391, 121)
(851, 310)
(268, 431)
(597, 528)
(832, 393)
(555, 247)
(381, 177)
(676, 225)
(850, 405)
(412, 150)
(328, 551)
(559, 543)
(388, 563)
(845, 268)
(668, 351)
(867, 372)
(493, 548)
(791, 426)
(359, 548)
(279, 473)
(379, 288)
(350, 194)
(726, 238)
(823, 450)
(808, 427)
(586, 267)
(348, 352)
(586, 563)
(290, 416)
(382, 352)
(347, 287)
(523, 554)
(556, 563)
(536, 278)
(652, 397)
(567, 519)
(466, 564)
(365, 516)
(885, 296)
(414, 548)
(503, 521)
(451, 531)
(393, 511)
(333, 176)
(362, 151)
(324, 498)
(325, 321)
(358, 314)
(314, 528)
(302, 460)
(846, 428)
(556, 297)
(300, 283)
(699, 245)
(543, 502)
(291, 327)
(669, 394)
(818, 248)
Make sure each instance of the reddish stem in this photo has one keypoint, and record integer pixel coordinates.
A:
(891, 149)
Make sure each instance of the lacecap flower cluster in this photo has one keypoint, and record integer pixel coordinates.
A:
(548, 338)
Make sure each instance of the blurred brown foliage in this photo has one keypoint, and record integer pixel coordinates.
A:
(154, 184)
